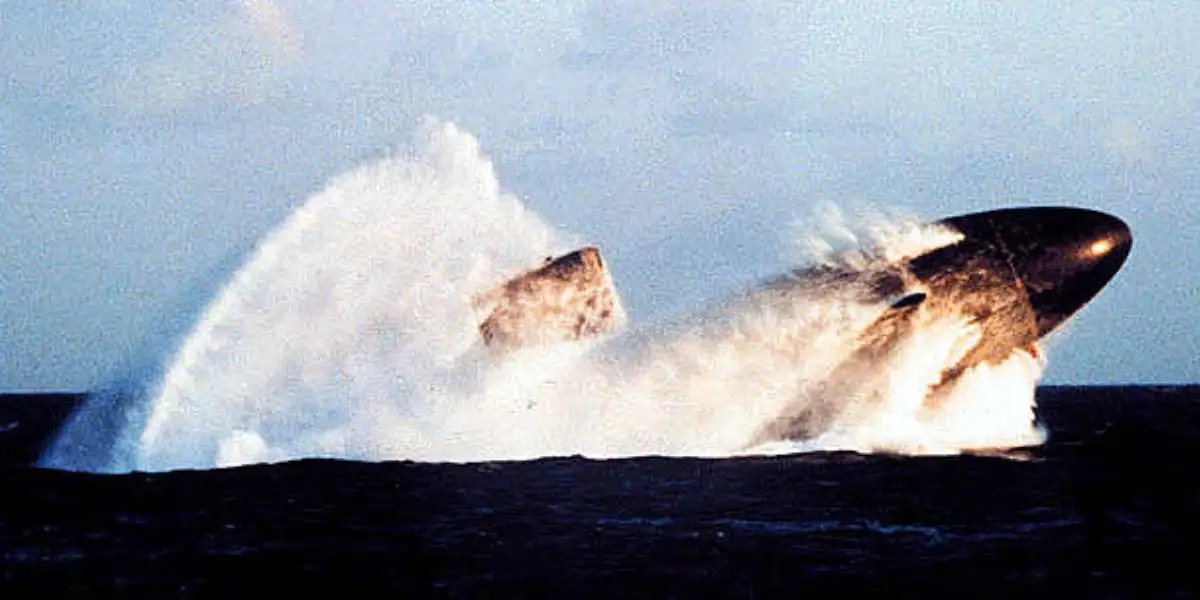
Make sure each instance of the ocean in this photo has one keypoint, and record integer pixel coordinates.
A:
(1104, 508)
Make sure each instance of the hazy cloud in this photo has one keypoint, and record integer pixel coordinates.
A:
(236, 55)
(273, 27)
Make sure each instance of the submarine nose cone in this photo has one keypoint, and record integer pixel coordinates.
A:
(1081, 254)
(1062, 257)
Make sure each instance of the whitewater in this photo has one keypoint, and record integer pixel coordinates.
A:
(349, 333)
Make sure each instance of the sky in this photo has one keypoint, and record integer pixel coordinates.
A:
(145, 147)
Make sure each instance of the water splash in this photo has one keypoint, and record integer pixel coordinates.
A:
(349, 333)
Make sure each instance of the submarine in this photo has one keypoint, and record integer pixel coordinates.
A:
(1015, 274)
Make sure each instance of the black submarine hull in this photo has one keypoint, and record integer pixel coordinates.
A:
(1016, 275)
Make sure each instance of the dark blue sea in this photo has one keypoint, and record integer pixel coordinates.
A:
(1107, 508)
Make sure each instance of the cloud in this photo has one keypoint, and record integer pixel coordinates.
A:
(239, 58)
(273, 27)
(1126, 143)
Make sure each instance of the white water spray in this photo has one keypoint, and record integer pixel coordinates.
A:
(350, 334)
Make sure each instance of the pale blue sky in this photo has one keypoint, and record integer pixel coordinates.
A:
(146, 145)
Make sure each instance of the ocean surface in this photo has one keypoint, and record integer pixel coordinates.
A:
(1106, 508)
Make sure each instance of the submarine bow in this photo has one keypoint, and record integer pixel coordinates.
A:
(1015, 274)
(1058, 258)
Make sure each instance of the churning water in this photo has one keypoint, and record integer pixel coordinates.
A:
(349, 333)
